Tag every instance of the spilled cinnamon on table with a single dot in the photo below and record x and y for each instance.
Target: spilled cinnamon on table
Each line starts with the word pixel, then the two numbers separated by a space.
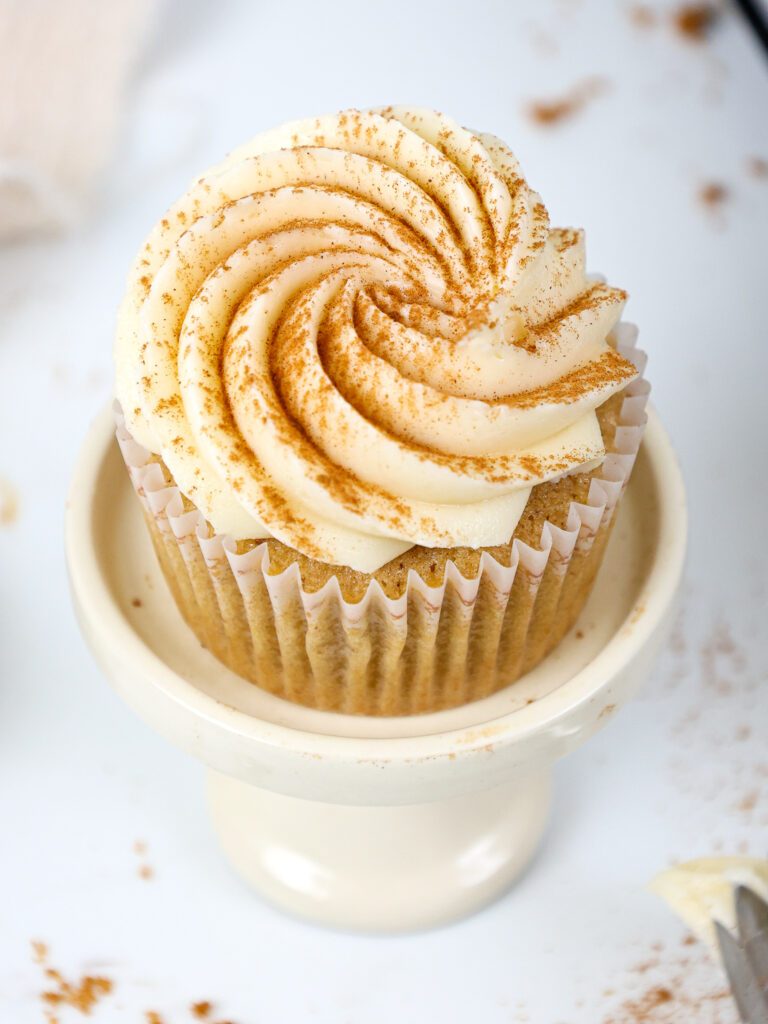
pixel 642 16
pixel 713 194
pixel 82 995
pixel 9 504
pixel 757 167
pixel 696 21
pixel 550 112
pixel 676 988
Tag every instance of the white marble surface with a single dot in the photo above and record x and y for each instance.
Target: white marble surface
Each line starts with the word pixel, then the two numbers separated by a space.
pixel 683 772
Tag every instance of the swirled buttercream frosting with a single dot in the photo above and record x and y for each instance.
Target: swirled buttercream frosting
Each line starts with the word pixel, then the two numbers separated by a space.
pixel 360 333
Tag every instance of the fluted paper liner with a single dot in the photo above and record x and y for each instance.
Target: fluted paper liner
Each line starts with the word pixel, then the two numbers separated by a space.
pixel 431 648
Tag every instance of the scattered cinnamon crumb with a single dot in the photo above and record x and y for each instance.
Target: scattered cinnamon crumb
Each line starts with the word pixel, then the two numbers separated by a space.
pixel 9 504
pixel 713 194
pixel 201 1010
pixel 721 658
pixel 82 995
pixel 607 710
pixel 153 1017
pixel 637 1011
pixel 137 602
pixel 749 802
pixel 757 167
pixel 548 112
pixel 648 965
pixel 678 991
pixel 145 870
pixel 39 952
pixel 642 16
pixel 695 21
pixel 579 634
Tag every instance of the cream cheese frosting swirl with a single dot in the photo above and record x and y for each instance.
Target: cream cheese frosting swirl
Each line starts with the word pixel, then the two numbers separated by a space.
pixel 359 333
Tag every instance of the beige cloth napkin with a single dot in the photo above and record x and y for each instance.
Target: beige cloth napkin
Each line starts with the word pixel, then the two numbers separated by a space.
pixel 63 68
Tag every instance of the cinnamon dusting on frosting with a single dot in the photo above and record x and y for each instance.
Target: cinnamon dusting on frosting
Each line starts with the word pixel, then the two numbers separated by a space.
pixel 360 333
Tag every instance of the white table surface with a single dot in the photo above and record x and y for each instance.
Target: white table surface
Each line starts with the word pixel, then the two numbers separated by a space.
pixel 682 773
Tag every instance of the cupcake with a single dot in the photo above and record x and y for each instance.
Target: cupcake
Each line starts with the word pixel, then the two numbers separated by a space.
pixel 377 414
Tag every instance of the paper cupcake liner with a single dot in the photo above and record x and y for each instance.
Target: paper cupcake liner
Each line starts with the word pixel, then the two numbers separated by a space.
pixel 431 648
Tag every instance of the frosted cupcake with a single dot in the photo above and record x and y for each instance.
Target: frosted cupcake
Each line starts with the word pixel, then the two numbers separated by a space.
pixel 377 414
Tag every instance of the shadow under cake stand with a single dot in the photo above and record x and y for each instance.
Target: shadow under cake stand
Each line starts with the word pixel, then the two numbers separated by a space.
pixel 380 824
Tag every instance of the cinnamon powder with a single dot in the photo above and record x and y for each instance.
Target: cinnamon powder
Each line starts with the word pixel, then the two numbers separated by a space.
pixel 695 21
pixel 757 167
pixel 642 16
pixel 713 194
pixel 9 504
pixel 550 112
pixel 82 995
pixel 677 992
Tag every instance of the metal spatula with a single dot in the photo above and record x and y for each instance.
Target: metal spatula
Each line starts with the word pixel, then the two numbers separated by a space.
pixel 746 956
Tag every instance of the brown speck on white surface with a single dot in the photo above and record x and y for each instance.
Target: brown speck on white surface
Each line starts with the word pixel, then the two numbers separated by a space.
pixel 721 657
pixel 145 871
pixel 642 16
pixel 676 987
pixel 82 995
pixel 757 167
pixel 549 112
pixel 695 22
pixel 748 803
pixel 9 503
pixel 39 951
pixel 713 195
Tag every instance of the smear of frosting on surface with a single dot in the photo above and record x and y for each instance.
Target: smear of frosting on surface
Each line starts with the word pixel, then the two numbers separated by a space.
pixel 359 333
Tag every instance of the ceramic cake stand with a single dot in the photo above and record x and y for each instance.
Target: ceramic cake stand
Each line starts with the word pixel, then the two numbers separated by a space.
pixel 363 823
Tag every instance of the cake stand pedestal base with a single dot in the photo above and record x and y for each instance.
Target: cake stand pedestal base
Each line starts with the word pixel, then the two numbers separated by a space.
pixel 375 824
pixel 380 869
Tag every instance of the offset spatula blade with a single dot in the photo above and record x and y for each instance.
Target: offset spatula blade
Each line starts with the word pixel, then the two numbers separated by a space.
pixel 752 921
pixel 746 991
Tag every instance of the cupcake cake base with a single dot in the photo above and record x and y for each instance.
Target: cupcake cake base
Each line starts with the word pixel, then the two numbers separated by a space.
pixel 365 769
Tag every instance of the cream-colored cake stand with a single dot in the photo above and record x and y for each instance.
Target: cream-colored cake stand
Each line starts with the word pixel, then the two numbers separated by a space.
pixel 375 824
